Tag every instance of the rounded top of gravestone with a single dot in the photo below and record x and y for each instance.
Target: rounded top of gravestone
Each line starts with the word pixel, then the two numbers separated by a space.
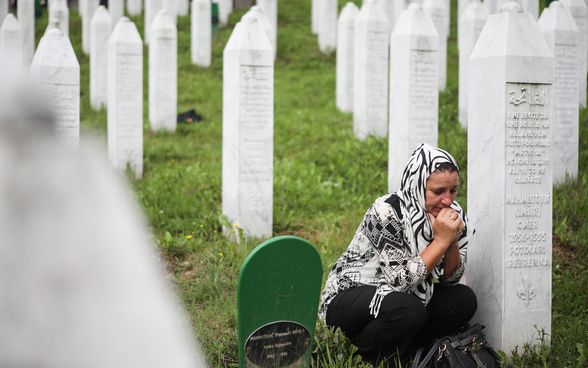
pixel 434 4
pixel 248 35
pixel 54 50
pixel 249 18
pixel 101 15
pixel 574 3
pixel 125 32
pixel 261 17
pixel 414 22
pixel 10 24
pixel 510 7
pixel 349 11
pixel 557 18
pixel 475 10
pixel 163 21
pixel 372 12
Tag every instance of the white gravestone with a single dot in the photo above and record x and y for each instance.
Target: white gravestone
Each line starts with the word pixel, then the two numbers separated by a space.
pixel 248 129
pixel 472 23
pixel 448 19
pixel 370 71
pixel 171 6
pixel 116 8
pixel 152 7
pixel 345 40
pixel 578 10
pixel 82 296
pixel 532 7
pixel 25 13
pixel 437 11
pixel 101 27
pixel 314 16
pixel 414 89
pixel 56 69
pixel 562 36
pixel 509 178
pixel 163 73
pixel 82 8
pixel 11 51
pixel 265 25
pixel 270 9
pixel 492 6
pixel 201 37
pixel 89 9
pixel 327 34
pixel 125 97
pixel 134 7
pixel 225 8
pixel 399 7
pixel 461 7
pixel 59 15
pixel 3 10
pixel 183 8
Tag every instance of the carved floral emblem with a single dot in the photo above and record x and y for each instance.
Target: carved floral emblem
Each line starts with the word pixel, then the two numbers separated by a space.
pixel 526 290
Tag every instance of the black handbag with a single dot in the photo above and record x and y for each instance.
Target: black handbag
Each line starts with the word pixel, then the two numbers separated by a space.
pixel 468 348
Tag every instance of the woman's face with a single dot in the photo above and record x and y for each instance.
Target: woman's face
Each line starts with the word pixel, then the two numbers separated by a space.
pixel 441 191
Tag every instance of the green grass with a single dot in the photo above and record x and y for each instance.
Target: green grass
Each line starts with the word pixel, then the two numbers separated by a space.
pixel 324 181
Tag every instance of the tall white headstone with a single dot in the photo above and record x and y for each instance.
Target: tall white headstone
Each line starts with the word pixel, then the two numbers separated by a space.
pixel 327 34
pixel 370 71
pixel 314 16
pixel 225 8
pixel 134 7
pixel 11 51
pixel 116 8
pixel 89 9
pixel 265 25
pixel 578 10
pixel 56 69
pixel 472 23
pixel 270 9
pixel 3 10
pixel 25 13
pixel 101 28
pixel 171 6
pixel 163 73
pixel 183 8
pixel 248 128
pixel 492 6
pixel 509 178
pixel 562 36
pixel 532 7
pixel 125 97
pixel 201 37
pixel 59 15
pixel 414 89
pixel 399 7
pixel 345 56
pixel 152 7
pixel 437 11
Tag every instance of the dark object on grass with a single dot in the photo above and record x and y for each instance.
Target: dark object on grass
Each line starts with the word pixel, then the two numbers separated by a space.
pixel 467 349
pixel 189 116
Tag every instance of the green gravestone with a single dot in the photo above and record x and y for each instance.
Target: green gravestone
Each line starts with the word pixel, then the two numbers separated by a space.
pixel 277 303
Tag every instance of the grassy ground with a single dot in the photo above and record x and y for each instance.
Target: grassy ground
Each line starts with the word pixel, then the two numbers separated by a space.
pixel 324 181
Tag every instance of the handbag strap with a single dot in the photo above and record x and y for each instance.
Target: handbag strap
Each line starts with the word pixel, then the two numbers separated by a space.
pixel 423 363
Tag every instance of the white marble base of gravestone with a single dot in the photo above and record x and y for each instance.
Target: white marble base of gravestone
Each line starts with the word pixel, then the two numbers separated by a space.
pixel 116 8
pixel 134 7
pixel 438 13
pixel 201 37
pixel 101 28
pixel 25 13
pixel 183 8
pixel 89 9
pixel 55 210
pixel 11 51
pixel 171 6
pixel 270 9
pixel 248 129
pixel 163 73
pixel 414 89
pixel 314 16
pixel 579 11
pixel 510 179
pixel 562 35
pixel 344 72
pixel 59 15
pixel 225 8
pixel 265 24
pixel 56 69
pixel 125 97
pixel 152 7
pixel 472 23
pixel 327 35
pixel 370 71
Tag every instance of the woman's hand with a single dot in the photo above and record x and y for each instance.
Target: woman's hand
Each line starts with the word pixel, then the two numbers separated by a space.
pixel 447 227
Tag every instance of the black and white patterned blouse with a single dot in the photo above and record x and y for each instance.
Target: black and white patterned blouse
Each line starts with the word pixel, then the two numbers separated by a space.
pixel 385 249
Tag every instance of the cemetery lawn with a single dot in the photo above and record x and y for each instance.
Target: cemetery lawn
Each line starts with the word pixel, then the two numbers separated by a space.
pixel 324 181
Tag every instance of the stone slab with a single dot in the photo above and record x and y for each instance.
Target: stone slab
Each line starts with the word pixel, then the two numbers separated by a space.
pixel 25 13
pixel 100 27
pixel 201 33
pixel 11 50
pixel 345 57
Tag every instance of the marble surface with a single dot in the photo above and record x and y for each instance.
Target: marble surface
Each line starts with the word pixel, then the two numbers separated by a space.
pixel 152 7
pixel 11 50
pixel 59 15
pixel 163 73
pixel 116 8
pixel 270 9
pixel 25 13
pixel 225 8
pixel 562 36
pixel 510 179
pixel 101 27
pixel 370 72
pixel 327 32
pixel 344 67
pixel 263 20
pixel 414 89
pixel 125 98
pixel 56 69
pixel 437 11
pixel 579 11
pixel 472 22
pixel 248 129
pixel 3 10
pixel 89 9
pixel 201 33
pixel 134 7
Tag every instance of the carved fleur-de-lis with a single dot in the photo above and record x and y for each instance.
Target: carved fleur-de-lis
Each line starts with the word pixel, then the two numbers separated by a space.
pixel 526 291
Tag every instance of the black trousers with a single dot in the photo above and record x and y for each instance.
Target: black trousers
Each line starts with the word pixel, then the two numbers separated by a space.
pixel 403 324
